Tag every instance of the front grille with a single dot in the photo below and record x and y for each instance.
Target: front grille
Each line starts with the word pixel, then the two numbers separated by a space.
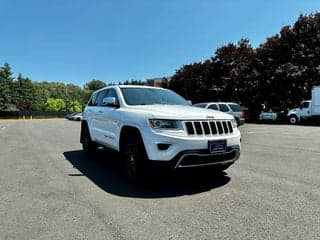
pixel 198 128
pixel 206 128
pixel 220 130
pixel 211 128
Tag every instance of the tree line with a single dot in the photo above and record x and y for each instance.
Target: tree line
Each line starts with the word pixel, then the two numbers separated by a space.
pixel 280 72
pixel 23 94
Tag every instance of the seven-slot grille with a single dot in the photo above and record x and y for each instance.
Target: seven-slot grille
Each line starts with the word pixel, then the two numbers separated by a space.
pixel 202 128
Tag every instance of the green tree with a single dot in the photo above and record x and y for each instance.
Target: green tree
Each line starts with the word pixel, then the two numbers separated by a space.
pixel 25 93
pixel 133 82
pixel 74 106
pixel 41 96
pixel 85 96
pixel 279 72
pixel 94 85
pixel 234 63
pixel 55 105
pixel 6 86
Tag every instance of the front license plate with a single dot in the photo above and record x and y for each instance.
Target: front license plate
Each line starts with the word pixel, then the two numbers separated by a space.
pixel 217 146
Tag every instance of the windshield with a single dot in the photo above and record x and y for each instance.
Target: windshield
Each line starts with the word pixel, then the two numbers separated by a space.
pixel 149 96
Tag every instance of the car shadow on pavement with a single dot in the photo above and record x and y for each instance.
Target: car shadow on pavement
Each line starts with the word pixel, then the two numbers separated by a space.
pixel 105 170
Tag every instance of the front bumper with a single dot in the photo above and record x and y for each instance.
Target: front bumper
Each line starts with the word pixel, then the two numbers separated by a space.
pixel 199 158
pixel 181 148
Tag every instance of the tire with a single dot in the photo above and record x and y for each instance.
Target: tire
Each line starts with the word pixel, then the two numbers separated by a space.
pixel 88 146
pixel 293 120
pixel 135 157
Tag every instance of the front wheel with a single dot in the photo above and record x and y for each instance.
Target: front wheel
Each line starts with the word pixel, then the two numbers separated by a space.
pixel 293 119
pixel 134 160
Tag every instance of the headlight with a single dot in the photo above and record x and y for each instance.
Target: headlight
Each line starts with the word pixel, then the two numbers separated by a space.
pixel 234 123
pixel 165 124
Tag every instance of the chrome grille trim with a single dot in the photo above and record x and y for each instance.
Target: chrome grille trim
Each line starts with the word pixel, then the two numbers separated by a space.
pixel 216 127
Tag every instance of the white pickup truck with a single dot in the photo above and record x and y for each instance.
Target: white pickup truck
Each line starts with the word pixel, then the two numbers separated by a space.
pixel 309 110
pixel 157 127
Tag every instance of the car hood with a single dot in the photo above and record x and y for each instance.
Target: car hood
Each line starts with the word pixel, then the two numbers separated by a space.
pixel 179 112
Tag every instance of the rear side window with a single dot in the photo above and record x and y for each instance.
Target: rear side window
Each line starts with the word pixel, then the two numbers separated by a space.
pixel 235 107
pixel 223 108
pixel 213 107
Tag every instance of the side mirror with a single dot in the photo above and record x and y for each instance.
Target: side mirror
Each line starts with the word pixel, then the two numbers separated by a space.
pixel 190 102
pixel 110 102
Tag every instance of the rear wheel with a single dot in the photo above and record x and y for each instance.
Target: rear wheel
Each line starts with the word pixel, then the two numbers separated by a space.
pixel 135 158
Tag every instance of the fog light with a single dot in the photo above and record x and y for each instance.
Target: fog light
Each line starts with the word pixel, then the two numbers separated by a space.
pixel 163 146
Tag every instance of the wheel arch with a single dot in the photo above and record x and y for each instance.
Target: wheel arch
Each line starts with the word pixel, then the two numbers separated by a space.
pixel 129 131
pixel 84 126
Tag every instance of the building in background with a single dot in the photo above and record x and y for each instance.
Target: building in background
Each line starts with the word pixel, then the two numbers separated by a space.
pixel 158 82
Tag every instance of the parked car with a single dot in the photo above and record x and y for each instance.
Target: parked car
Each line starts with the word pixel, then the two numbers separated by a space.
pixel 77 116
pixel 231 108
pixel 269 114
pixel 69 116
pixel 273 114
pixel 155 127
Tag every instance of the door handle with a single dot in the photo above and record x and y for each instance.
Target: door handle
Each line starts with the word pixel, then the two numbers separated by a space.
pixel 101 111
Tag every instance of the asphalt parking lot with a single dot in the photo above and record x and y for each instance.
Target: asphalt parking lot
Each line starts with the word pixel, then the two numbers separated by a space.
pixel 50 190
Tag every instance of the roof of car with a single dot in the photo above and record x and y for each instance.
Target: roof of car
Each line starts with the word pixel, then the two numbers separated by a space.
pixel 217 103
pixel 137 86
pixel 128 86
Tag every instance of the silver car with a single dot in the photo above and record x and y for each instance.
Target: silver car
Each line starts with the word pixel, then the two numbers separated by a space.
pixel 77 117
pixel 231 108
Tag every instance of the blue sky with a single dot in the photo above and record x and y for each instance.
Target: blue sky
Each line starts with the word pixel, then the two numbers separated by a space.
pixel 74 41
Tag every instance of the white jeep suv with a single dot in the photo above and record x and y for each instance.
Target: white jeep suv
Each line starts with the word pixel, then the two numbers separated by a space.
pixel 157 127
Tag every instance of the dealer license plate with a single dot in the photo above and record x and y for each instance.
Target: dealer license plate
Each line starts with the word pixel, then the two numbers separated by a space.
pixel 217 146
